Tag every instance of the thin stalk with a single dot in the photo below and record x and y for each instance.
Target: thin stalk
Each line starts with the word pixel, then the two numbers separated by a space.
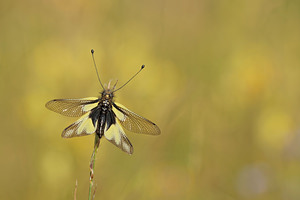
pixel 92 166
pixel 75 190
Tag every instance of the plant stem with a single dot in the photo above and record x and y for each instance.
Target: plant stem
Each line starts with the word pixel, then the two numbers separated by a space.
pixel 75 190
pixel 92 165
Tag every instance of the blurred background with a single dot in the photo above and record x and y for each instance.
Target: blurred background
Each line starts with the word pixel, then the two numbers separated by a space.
pixel 221 81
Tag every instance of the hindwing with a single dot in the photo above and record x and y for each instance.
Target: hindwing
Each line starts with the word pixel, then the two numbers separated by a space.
pixel 83 126
pixel 116 135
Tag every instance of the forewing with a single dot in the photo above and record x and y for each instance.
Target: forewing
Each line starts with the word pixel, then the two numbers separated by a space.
pixel 72 107
pixel 83 126
pixel 133 122
pixel 115 134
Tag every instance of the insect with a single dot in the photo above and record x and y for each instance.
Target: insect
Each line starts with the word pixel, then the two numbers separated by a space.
pixel 103 116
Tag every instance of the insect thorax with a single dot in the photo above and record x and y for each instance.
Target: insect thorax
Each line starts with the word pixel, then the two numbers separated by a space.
pixel 106 99
pixel 100 112
pixel 105 105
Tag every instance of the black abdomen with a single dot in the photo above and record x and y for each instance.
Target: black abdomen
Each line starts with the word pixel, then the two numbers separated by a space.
pixel 104 115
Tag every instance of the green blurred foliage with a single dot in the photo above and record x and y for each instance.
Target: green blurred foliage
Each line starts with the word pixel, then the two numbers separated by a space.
pixel 221 81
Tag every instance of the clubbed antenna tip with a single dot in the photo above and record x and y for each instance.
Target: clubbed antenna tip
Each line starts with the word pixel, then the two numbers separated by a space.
pixel 92 51
pixel 142 67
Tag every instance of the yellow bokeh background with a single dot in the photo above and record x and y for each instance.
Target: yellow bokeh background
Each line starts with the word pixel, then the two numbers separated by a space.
pixel 221 81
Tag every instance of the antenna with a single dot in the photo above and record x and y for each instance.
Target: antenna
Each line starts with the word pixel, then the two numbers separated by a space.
pixel 92 51
pixel 142 67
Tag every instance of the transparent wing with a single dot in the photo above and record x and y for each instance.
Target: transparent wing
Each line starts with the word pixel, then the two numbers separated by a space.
pixel 83 126
pixel 116 135
pixel 133 122
pixel 72 107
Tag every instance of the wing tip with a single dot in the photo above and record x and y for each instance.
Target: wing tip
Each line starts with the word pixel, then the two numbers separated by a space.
pixel 130 152
pixel 159 131
pixel 47 104
pixel 64 135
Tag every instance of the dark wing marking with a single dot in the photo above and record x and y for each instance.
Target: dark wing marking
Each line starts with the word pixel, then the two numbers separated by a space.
pixel 116 135
pixel 83 126
pixel 72 107
pixel 133 122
